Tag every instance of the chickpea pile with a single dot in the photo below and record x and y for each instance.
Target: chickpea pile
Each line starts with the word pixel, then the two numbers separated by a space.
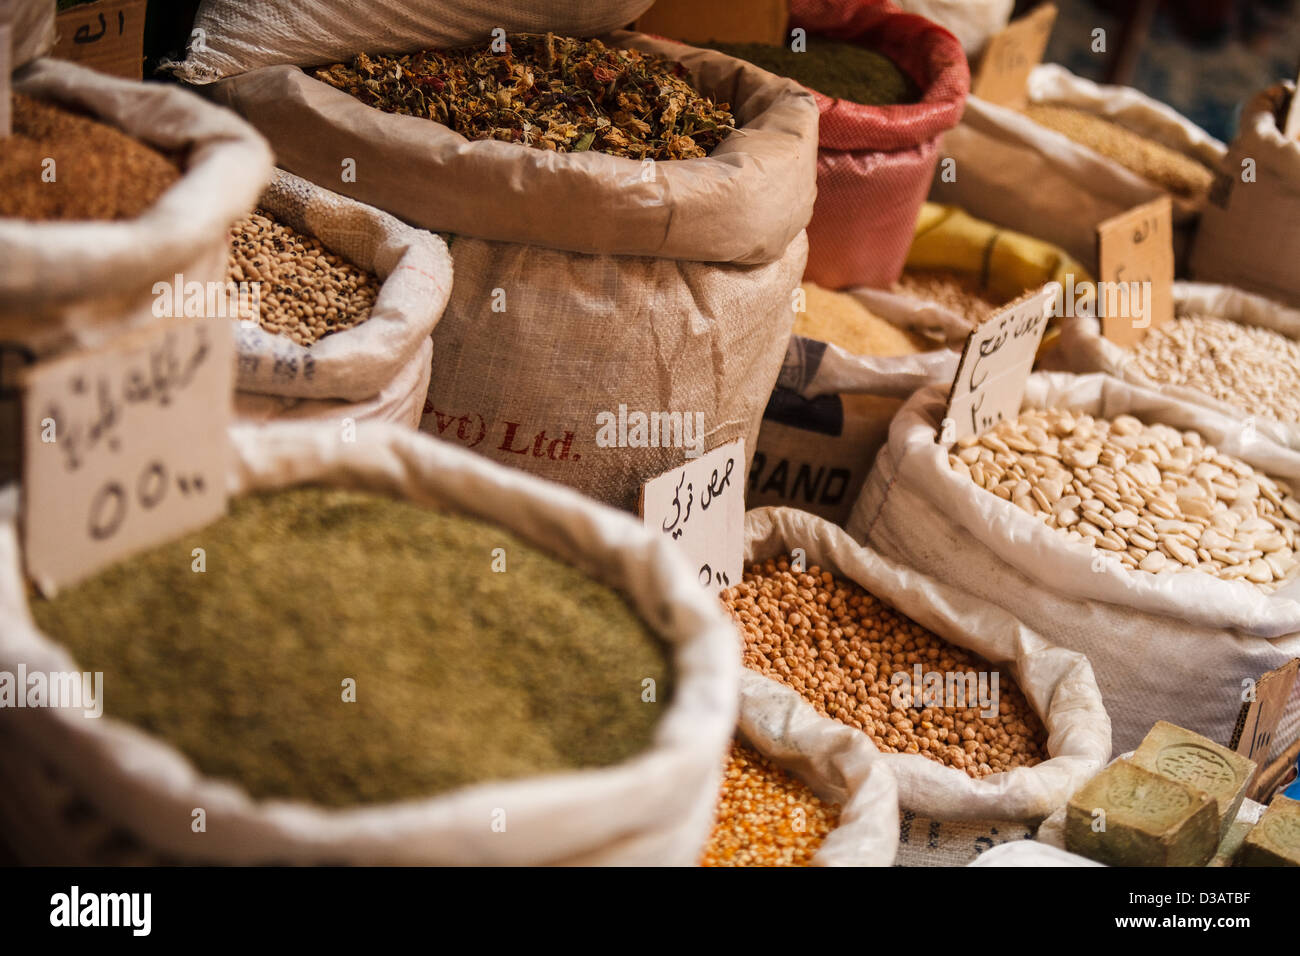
pixel 838 646
pixel 765 816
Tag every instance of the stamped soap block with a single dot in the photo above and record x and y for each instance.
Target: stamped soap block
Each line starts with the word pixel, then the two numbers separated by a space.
pixel 1129 816
pixel 1199 762
pixel 1275 840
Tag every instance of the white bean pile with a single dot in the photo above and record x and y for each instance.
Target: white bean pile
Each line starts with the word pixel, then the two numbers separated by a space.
pixel 1159 499
pixel 1251 368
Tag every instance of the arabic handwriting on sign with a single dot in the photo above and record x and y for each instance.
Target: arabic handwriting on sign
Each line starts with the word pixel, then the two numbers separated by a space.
pixel 715 487
pixel 677 503
pixel 83 34
pixel 1145 228
pixel 708 576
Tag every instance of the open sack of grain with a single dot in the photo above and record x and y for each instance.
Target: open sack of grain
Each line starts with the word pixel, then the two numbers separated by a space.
pixel 587 284
pixel 1248 236
pixel 1153 535
pixel 857 355
pixel 243 35
pixel 561 691
pixel 1080 154
pixel 840 651
pixel 166 201
pixel 1229 350
pixel 875 162
pixel 345 321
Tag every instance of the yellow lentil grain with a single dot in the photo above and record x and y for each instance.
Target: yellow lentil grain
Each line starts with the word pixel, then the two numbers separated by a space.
pixel 765 816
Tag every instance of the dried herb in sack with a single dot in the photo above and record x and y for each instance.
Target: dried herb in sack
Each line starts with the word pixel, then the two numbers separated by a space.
pixel 834 68
pixel 547 92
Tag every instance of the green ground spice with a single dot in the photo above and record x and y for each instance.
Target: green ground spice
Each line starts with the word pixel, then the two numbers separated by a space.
pixel 462 674
pixel 833 68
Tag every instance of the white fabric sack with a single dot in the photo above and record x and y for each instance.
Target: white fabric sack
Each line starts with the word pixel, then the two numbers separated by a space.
pixel 242 35
pixel 415 272
pixel 1015 173
pixel 836 761
pixel 32 26
pixel 1248 234
pixel 972 22
pixel 401 400
pixel 74 283
pixel 1174 647
pixel 1031 853
pixel 1083 349
pixel 656 808
pixel 830 411
pixel 1057 683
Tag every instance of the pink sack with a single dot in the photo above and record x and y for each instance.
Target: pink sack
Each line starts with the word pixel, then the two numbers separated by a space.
pixel 875 163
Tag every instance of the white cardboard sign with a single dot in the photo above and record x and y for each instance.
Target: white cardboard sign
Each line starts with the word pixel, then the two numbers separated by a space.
pixel 700 507
pixel 125 447
pixel 995 366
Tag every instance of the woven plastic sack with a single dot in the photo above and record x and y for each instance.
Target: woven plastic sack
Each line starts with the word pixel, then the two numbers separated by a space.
pixel 380 366
pixel 1248 236
pixel 31 24
pixel 1011 171
pixel 655 808
pixel 1174 647
pixel 1084 349
pixel 74 283
pixel 875 163
pixel 972 22
pixel 835 761
pixel 243 35
pixel 1057 683
pixel 584 282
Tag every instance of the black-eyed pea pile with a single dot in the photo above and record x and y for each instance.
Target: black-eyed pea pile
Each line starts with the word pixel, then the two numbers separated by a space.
pixel 1159 499
pixel 306 292
pixel 1248 367
pixel 840 648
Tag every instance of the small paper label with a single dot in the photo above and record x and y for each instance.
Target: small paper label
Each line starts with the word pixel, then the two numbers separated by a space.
pixel 107 36
pixel 1135 251
pixel 1258 719
pixel 1010 56
pixel 700 506
pixel 1292 128
pixel 995 366
pixel 124 447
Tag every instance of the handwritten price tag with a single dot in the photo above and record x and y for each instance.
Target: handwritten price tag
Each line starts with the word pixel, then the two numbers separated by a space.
pixel 1258 718
pixel 107 36
pixel 1136 254
pixel 995 366
pixel 125 447
pixel 1011 56
pixel 701 507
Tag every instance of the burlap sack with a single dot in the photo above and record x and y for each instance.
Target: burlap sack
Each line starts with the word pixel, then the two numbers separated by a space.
pixel 243 35
pixel 1058 683
pixel 74 283
pixel 671 293
pixel 1014 172
pixel 656 808
pixel 1174 647
pixel 381 367
pixel 835 761
pixel 1083 349
pixel 1248 236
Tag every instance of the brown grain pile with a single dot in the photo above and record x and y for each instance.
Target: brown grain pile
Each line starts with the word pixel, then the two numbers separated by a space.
pixel 765 816
pixel 839 646
pixel 99 172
